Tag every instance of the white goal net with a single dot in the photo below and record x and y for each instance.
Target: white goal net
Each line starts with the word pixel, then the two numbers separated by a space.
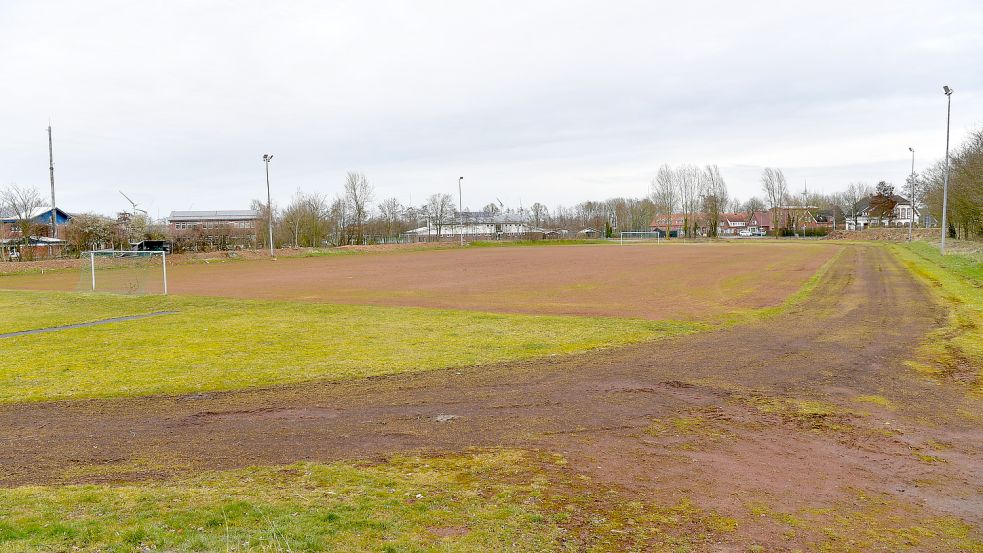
pixel 124 272
pixel 640 235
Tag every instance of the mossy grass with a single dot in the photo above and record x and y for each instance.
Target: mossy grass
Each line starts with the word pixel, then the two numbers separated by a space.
pixel 486 501
pixel 956 282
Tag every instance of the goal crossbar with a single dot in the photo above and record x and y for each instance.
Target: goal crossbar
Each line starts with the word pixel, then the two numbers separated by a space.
pixel 124 254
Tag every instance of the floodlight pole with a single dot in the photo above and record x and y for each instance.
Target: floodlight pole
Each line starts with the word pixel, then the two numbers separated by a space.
pixel 163 258
pixel 911 200
pixel 945 184
pixel 460 208
pixel 269 200
pixel 92 269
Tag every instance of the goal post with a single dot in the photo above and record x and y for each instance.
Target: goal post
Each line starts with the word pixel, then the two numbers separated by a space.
pixel 125 272
pixel 640 235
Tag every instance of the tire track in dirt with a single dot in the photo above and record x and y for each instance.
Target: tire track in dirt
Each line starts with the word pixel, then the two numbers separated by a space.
pixel 850 338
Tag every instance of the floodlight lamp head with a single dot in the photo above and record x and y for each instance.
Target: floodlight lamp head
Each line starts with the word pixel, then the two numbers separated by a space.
pixel 948 91
pixel 910 149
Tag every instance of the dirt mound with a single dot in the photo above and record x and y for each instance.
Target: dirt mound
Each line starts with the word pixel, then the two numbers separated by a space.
pixel 884 234
pixel 401 247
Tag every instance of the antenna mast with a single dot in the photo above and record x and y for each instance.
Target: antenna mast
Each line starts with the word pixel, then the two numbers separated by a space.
pixel 51 173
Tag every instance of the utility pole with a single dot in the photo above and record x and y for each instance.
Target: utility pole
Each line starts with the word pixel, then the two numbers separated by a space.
pixel 911 218
pixel 945 184
pixel 269 200
pixel 51 173
pixel 460 208
pixel 805 194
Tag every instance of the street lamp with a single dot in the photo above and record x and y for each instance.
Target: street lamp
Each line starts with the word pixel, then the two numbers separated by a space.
pixel 945 184
pixel 460 208
pixel 911 200
pixel 269 201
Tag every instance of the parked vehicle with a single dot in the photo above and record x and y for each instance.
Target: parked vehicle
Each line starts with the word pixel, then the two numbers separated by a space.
pixel 745 232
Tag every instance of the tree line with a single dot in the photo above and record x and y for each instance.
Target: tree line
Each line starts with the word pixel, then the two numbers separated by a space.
pixel 688 197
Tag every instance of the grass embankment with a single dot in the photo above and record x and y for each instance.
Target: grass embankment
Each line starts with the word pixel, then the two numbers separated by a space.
pixel 223 344
pixel 956 280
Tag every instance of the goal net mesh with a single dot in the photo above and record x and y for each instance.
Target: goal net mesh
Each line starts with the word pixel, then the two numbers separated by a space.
pixel 122 272
pixel 634 236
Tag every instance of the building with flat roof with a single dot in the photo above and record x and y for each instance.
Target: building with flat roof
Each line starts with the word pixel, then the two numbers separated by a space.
pixel 220 229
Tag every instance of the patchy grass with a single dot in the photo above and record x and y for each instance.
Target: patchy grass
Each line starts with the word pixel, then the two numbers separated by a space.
pixel 871 522
pixel 696 429
pixel 874 399
pixel 956 281
pixel 792 301
pixel 498 500
pixel 478 502
pixel 223 344
pixel 809 414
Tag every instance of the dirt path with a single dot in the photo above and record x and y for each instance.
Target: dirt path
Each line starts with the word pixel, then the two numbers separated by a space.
pixel 814 409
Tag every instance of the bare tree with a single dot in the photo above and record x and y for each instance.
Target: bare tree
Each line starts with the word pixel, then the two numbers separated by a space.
pixel 358 194
pixel 851 198
pixel 390 211
pixel 690 178
pixel 22 203
pixel 539 214
pixel 775 187
pixel 262 222
pixel 665 194
pixel 714 198
pixel 439 208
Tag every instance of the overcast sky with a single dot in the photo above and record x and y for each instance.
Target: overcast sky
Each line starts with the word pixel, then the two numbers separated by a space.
pixel 553 101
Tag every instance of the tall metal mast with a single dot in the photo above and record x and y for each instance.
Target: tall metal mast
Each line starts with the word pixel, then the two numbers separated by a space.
pixel 51 173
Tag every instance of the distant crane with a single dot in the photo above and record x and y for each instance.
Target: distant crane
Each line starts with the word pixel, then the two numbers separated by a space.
pixel 134 204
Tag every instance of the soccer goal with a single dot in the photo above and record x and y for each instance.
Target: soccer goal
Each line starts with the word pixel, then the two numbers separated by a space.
pixel 124 272
pixel 640 235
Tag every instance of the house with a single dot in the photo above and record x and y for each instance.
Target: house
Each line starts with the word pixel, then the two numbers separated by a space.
pixel 865 214
pixel 224 229
pixel 40 242
pixel 40 218
pixel 674 224
pixel 729 224
pixel 556 234
pixel 38 247
pixel 477 226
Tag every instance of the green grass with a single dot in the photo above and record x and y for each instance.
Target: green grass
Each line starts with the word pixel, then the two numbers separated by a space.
pixel 478 502
pixel 498 500
pixel 225 344
pixel 29 310
pixel 956 281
